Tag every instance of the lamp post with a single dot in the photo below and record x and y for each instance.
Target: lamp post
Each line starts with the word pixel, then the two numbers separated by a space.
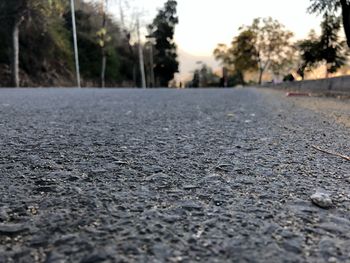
pixel 75 40
pixel 141 60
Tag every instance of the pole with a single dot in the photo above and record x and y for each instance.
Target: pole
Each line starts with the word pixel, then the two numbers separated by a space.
pixel 152 66
pixel 15 56
pixel 104 57
pixel 142 64
pixel 75 40
pixel 151 59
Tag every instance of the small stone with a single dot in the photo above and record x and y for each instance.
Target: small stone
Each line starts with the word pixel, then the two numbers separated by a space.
pixel 322 200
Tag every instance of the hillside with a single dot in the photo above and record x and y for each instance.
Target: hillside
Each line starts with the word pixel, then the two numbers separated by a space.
pixel 46 52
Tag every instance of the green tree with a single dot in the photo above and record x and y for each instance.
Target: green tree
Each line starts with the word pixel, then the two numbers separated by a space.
pixel 328 48
pixel 309 53
pixel 241 56
pixel 16 11
pixel 32 25
pixel 105 56
pixel 224 54
pixel 163 29
pixel 272 42
pixel 331 6
pixel 332 49
pixel 245 54
pixel 263 45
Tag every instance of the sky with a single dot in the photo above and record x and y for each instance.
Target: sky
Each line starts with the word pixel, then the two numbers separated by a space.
pixel 205 23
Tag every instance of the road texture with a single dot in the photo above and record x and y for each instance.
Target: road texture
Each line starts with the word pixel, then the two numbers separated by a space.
pixel 170 176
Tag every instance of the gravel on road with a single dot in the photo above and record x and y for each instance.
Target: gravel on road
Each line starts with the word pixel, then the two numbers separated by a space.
pixel 122 175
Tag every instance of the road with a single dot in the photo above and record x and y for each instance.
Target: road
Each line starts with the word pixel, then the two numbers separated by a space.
pixel 170 176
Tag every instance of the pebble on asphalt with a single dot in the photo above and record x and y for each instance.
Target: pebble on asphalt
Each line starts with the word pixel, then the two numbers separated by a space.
pixel 322 200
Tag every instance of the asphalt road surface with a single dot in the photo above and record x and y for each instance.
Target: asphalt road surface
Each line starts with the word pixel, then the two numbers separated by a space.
pixel 170 176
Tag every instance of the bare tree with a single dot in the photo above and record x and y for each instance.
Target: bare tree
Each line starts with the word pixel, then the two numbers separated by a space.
pixel 103 39
pixel 17 10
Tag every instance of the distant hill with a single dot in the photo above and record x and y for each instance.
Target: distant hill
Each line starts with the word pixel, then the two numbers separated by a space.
pixel 188 63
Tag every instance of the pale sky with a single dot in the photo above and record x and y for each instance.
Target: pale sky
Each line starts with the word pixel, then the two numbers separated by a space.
pixel 205 23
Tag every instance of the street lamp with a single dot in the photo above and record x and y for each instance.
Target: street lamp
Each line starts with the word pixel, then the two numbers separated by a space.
pixel 141 60
pixel 75 40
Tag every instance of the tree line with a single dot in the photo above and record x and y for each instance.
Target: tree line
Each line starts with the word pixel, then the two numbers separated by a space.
pixel 266 46
pixel 37 45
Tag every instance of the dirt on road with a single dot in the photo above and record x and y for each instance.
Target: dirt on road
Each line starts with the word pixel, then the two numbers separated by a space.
pixel 334 108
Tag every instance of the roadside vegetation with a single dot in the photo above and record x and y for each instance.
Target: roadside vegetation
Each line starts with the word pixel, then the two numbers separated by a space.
pixel 36 47
pixel 266 51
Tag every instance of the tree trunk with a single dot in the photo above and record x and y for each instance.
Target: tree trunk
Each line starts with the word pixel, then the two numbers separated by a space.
pixel 103 69
pixel 104 38
pixel 241 76
pixel 15 56
pixel 346 19
pixel 261 75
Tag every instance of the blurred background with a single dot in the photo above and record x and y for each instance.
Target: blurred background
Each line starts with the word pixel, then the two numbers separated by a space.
pixel 159 43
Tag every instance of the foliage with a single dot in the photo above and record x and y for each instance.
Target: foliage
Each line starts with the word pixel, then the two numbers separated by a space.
pixel 309 53
pixel 244 52
pixel 273 46
pixel 240 57
pixel 41 29
pixel 331 7
pixel 163 29
pixel 45 39
pixel 328 48
pixel 332 49
pixel 320 6
pixel 264 45
pixel 224 54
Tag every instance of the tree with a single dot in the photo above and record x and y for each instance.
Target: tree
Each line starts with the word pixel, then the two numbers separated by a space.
pixel 309 53
pixel 204 76
pixel 97 44
pixel 273 48
pixel 196 79
pixel 331 6
pixel 332 49
pixel 240 57
pixel 245 53
pixel 16 11
pixel 328 48
pixel 103 39
pixel 46 49
pixel 163 29
pixel 42 32
pixel 224 54
pixel 263 45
